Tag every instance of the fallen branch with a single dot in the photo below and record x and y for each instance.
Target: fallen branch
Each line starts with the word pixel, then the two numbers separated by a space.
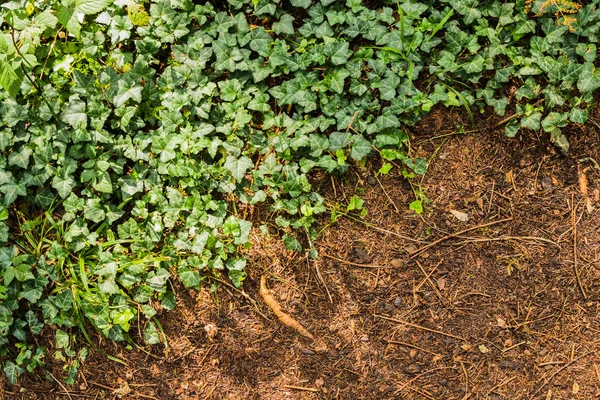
pixel 285 318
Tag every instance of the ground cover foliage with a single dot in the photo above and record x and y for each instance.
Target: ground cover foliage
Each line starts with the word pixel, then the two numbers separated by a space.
pixel 132 134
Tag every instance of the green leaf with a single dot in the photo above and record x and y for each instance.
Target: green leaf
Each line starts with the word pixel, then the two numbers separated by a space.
pixel 190 278
pixel 63 186
pixel 356 203
pixel 291 243
pixel 122 319
pixel 511 129
pixel 387 120
pixel 68 18
pixel 238 166
pixel 579 116
pixel 589 79
pixel 339 140
pixel 12 190
pixel 10 79
pixel 12 371
pixel 301 3
pixel 361 147
pixel 75 114
pixel 151 334
pixel 285 25
pixel 532 121
pixel 338 52
pixel 91 6
pixel 61 339
pixel 416 206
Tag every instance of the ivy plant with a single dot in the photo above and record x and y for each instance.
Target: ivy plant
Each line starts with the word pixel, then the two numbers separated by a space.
pixel 135 135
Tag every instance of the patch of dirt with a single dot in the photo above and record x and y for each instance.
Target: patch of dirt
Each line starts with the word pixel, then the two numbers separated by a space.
pixel 491 293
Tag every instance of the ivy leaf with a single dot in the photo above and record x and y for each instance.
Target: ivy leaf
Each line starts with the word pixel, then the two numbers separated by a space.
pixel 361 147
pixel 238 166
pixel 588 79
pixel 12 190
pixel 68 18
pixel 190 278
pixel 151 334
pixel 74 113
pixel 127 90
pixel 63 186
pixel 338 52
pixel 284 25
pixel 387 120
pixel 12 372
pixel 579 116
pixel 61 339
pixel 91 6
pixel 532 121
pixel 10 79
pixel 339 140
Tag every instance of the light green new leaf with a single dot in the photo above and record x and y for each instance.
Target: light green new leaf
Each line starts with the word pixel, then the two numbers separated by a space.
pixel 10 79
pixel 91 6
pixel 62 339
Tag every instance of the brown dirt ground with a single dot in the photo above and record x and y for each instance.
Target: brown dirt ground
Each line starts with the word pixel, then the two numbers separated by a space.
pixel 495 312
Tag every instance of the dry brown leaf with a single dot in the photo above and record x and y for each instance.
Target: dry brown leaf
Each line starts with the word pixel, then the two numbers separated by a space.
pixel 501 323
pixel 459 215
pixel 441 283
pixel 479 202
pixel 124 390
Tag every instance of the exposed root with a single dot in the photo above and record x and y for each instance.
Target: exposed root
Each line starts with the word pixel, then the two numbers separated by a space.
pixel 285 318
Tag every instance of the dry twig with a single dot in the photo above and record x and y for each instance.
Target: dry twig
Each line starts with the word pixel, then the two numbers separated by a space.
pixel 420 327
pixel 450 236
pixel 574 229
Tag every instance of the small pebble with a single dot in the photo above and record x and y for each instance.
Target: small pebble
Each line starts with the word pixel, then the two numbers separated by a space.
pixel 522 163
pixel 372 181
pixel 547 183
pixel 396 263
pixel 398 302
pixel 444 382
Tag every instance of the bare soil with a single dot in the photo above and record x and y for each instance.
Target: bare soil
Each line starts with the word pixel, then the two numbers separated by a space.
pixel 492 293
